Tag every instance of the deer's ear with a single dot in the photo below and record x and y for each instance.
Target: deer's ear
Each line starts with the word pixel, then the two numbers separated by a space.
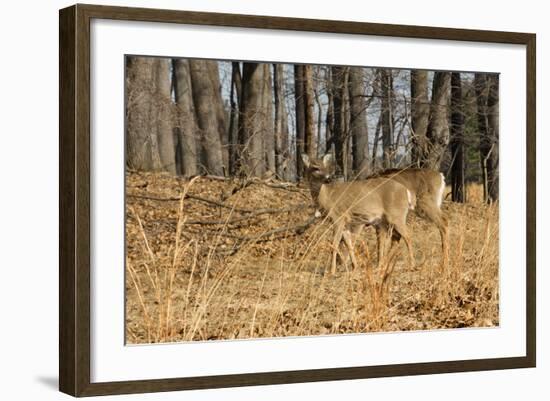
pixel 305 159
pixel 327 160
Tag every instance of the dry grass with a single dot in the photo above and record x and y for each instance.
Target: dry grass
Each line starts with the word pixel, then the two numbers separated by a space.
pixel 188 281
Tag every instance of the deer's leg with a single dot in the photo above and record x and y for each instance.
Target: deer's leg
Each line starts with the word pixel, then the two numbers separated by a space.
pixel 348 250
pixel 444 233
pixel 408 243
pixel 400 231
pixel 381 235
pixel 356 232
pixel 434 214
pixel 338 229
pixel 343 255
pixel 348 239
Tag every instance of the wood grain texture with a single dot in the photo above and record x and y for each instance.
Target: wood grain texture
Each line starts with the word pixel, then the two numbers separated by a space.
pixel 302 376
pixel 74 206
pixel 531 228
pixel 301 24
pixel 74 199
pixel 67 131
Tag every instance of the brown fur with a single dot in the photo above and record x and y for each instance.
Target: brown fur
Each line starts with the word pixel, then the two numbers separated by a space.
pixel 426 185
pixel 380 202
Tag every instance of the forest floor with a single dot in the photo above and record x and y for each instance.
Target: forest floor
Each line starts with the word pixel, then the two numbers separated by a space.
pixel 215 259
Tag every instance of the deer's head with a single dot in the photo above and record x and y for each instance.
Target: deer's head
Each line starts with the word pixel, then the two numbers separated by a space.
pixel 318 170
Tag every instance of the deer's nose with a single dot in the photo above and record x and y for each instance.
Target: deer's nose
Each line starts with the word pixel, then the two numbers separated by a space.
pixel 327 178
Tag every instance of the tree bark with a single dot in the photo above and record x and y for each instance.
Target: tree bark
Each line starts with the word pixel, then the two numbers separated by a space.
pixel 139 114
pixel 493 131
pixel 438 126
pixel 457 140
pixel 359 128
pixel 268 129
pixel 235 93
pixel 218 106
pixel 310 138
pixel 252 119
pixel 420 115
pixel 338 77
pixel 480 87
pixel 320 109
pixel 204 98
pixel 300 116
pixel 346 118
pixel 186 130
pixel 164 119
pixel 486 88
pixel 386 85
pixel 281 124
pixel 329 136
pixel 375 142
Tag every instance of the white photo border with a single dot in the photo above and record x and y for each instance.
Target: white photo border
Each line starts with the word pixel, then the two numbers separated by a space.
pixel 111 360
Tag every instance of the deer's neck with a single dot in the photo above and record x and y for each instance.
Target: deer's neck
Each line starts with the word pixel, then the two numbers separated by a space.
pixel 315 188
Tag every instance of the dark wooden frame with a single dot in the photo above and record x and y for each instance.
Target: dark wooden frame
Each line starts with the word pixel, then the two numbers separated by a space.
pixel 74 199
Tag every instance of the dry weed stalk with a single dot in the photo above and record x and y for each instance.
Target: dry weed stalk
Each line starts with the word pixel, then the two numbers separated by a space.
pixel 161 277
pixel 181 288
pixel 376 284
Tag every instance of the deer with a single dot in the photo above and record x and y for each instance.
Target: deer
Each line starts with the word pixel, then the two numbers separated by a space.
pixel 379 202
pixel 427 186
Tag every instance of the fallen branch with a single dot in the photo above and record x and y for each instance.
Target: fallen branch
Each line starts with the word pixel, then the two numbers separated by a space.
pixel 251 215
pixel 242 185
pixel 287 186
pixel 277 185
pixel 296 229
pixel 215 177
pixel 155 198
pixel 263 237
pixel 191 196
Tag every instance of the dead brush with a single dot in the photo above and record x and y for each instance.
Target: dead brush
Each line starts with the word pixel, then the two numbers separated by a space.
pixel 376 285
pixel 180 287
pixel 466 293
pixel 161 275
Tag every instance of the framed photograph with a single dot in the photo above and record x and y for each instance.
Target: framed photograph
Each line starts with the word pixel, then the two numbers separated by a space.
pixel 249 200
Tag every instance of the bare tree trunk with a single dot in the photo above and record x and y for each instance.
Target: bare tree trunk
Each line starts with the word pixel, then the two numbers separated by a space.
pixel 204 97
pixel 300 116
pixel 187 126
pixel 268 129
pixel 329 136
pixel 320 109
pixel 251 122
pixel 457 140
pixel 140 74
pixel 386 84
pixel 234 117
pixel 310 145
pixel 164 121
pixel 375 142
pixel 438 126
pixel 338 134
pixel 481 89
pixel 420 115
pixel 359 129
pixel 346 110
pixel 486 88
pixel 219 108
pixel 281 125
pixel 493 131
